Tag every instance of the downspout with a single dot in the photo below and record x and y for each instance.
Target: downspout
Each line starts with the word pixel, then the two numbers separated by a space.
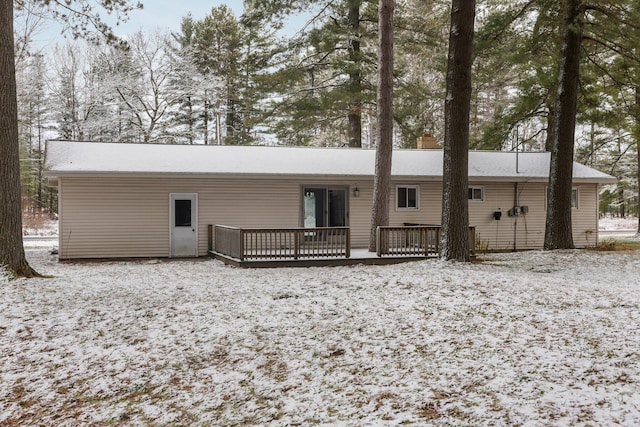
pixel 515 196
pixel 517 152
pixel 515 212
pixel 597 233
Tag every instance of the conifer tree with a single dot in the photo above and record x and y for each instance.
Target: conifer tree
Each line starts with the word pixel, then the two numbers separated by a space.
pixel 325 78
pixel 384 146
pixel 454 241
pixel 558 229
pixel 231 55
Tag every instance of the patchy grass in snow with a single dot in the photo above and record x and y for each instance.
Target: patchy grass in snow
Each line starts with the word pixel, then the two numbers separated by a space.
pixel 5 275
pixel 40 224
pixel 617 245
pixel 535 338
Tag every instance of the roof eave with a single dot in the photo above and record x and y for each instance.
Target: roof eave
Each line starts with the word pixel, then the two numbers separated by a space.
pixel 55 175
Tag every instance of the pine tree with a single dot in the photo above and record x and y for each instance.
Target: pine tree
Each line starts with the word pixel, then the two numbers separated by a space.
pixel 515 74
pixel 558 230
pixel 421 59
pixel 217 46
pixel 384 146
pixel 326 74
pixel 191 109
pixel 454 242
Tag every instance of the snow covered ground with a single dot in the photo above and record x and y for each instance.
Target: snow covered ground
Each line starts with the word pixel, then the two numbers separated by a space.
pixel 49 227
pixel 625 229
pixel 611 223
pixel 39 226
pixel 533 338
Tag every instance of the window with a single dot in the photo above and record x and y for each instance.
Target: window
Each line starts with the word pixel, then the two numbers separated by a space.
pixel 182 213
pixel 574 198
pixel 476 194
pixel 407 197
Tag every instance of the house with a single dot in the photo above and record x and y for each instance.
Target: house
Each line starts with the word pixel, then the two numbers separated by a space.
pixel 145 200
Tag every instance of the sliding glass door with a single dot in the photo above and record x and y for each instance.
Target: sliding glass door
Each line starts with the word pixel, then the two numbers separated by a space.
pixel 324 207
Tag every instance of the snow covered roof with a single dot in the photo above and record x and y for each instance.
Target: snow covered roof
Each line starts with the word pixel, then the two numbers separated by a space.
pixel 67 158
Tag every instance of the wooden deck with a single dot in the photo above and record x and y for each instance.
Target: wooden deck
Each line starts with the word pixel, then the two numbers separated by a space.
pixel 358 256
pixel 316 247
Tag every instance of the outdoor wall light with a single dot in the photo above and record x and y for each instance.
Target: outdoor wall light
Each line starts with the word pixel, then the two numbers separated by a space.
pixel 356 192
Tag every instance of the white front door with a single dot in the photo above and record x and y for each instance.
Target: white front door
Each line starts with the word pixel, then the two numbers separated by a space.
pixel 184 224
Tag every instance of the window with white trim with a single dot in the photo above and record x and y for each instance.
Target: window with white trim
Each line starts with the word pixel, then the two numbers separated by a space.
pixel 476 194
pixel 407 197
pixel 575 198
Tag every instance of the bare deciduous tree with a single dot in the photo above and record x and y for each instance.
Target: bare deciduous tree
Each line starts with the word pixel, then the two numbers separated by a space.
pixel 12 254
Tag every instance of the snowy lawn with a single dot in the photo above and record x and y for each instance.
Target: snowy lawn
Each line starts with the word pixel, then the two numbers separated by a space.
pixel 529 338
pixel 611 223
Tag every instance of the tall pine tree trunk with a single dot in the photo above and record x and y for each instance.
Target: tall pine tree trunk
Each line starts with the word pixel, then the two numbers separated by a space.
pixel 548 142
pixel 205 120
pixel 454 241
pixel 384 146
pixel 354 116
pixel 11 249
pixel 558 230
pixel 637 138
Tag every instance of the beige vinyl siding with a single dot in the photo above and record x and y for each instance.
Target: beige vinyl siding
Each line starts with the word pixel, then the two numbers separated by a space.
pixel 129 217
pixel 111 217
pixel 429 199
pixel 585 217
pixel 106 217
pixel 527 231
pixel 120 216
pixel 360 212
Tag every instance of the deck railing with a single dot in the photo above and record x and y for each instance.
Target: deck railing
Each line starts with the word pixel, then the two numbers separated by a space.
pixel 327 242
pixel 228 241
pixel 281 243
pixel 418 240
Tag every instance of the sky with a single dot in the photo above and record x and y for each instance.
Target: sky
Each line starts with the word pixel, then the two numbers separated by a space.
pixel 162 14
pixel 169 13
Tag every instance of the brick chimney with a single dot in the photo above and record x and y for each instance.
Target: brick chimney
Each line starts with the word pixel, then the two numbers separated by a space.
pixel 426 141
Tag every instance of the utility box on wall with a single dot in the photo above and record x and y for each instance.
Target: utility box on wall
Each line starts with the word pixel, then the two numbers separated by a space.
pixel 518 210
